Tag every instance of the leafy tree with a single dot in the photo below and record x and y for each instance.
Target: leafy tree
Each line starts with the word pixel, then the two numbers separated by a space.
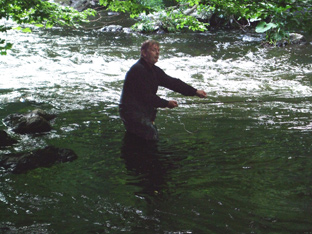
pixel 276 18
pixel 273 17
pixel 170 18
pixel 38 12
pixel 135 7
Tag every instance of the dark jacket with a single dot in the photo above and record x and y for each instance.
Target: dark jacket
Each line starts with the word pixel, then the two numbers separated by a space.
pixel 139 99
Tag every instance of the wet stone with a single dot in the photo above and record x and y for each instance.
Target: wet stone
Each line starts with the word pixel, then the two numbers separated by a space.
pixel 112 28
pixel 5 139
pixel 36 121
pixel 23 162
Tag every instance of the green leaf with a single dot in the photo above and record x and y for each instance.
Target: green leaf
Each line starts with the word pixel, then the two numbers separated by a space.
pixel 18 28
pixel 263 27
pixel 26 30
pixel 39 25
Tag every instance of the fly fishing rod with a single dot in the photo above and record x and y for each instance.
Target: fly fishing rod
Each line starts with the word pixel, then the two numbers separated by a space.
pixel 244 102
pixel 219 102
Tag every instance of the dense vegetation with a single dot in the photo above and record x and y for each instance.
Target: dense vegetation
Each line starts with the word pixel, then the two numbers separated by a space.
pixel 38 12
pixel 276 18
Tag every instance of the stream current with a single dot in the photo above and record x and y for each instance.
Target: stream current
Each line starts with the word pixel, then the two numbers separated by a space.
pixel 238 161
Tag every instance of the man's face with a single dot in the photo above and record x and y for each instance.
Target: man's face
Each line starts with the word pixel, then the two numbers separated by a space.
pixel 151 55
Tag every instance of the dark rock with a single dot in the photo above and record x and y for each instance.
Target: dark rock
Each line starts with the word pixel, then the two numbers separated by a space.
pixel 23 162
pixel 36 121
pixel 43 114
pixel 116 28
pixel 5 139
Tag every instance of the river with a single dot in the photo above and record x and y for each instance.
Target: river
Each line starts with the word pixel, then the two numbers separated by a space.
pixel 238 161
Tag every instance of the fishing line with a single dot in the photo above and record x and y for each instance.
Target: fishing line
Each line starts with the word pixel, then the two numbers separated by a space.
pixel 185 127
pixel 210 102
pixel 179 120
pixel 188 130
pixel 232 102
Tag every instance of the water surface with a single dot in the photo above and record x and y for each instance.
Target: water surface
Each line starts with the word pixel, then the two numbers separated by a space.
pixel 236 162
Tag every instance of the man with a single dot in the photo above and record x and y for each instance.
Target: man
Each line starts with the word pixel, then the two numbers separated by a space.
pixel 139 102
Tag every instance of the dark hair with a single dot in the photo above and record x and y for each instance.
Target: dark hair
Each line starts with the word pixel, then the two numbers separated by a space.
pixel 147 44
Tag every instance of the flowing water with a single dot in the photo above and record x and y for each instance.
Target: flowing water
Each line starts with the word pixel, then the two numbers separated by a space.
pixel 239 161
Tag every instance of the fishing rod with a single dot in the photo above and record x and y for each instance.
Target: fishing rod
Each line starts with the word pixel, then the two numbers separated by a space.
pixel 243 102
pixel 219 102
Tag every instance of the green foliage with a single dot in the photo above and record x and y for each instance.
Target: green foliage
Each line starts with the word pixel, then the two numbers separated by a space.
pixel 187 21
pixel 40 13
pixel 135 7
pixel 145 24
pixel 4 47
pixel 283 18
pixel 132 6
pixel 264 27
pixel 273 17
pixel 153 4
pixel 276 17
pixel 170 21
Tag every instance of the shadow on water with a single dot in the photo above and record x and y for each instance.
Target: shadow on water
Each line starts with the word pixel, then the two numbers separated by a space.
pixel 148 166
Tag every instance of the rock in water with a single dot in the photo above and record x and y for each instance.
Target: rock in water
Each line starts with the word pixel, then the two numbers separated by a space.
pixel 112 28
pixel 5 139
pixel 36 121
pixel 23 162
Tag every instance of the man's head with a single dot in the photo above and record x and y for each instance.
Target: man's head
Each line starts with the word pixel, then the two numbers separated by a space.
pixel 150 51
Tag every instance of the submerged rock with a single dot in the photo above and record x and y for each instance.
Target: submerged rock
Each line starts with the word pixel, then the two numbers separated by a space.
pixel 294 39
pixel 112 28
pixel 36 121
pixel 297 39
pixel 5 139
pixel 23 162
pixel 116 28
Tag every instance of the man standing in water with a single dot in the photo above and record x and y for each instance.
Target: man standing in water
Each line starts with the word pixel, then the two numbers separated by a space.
pixel 139 102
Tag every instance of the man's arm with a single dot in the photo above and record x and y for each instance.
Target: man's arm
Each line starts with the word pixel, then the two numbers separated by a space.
pixel 199 93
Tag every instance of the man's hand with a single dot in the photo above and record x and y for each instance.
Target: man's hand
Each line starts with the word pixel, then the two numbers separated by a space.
pixel 172 104
pixel 201 93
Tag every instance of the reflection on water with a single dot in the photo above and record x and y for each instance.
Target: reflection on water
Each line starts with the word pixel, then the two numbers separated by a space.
pixel 144 162
pixel 236 162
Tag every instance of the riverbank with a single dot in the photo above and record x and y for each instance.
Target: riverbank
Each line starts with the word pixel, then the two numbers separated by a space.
pixel 159 23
